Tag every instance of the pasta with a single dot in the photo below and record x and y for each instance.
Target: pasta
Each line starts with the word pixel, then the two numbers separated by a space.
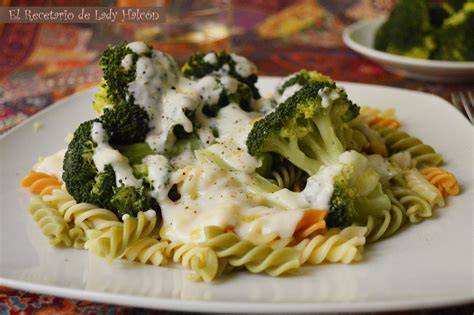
pixel 388 222
pixel 417 208
pixel 193 167
pixel 343 246
pixel 417 182
pixel 113 242
pixel 443 180
pixel 40 183
pixel 377 117
pixel 288 177
pixel 398 141
pixel 51 222
pixel 255 258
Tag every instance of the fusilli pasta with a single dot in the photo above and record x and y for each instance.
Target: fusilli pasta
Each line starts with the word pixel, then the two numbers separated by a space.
pixel 40 183
pixel 256 258
pixel 397 141
pixel 113 242
pixel 417 182
pixel 335 246
pixel 51 222
pixel 445 181
pixel 417 208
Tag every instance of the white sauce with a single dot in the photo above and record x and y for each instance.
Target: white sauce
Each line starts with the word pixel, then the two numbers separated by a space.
pixel 104 154
pixel 289 91
pixel 159 173
pixel 127 62
pixel 138 47
pixel 150 214
pixel 383 167
pixel 328 95
pixel 211 196
pixel 51 165
pixel 243 66
pixel 319 187
pixel 210 58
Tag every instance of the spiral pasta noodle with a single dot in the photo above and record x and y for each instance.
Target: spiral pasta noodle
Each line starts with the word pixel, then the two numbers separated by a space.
pixel 84 215
pixel 388 222
pixel 377 117
pixel 417 182
pixel 40 183
pixel 398 141
pixel 443 180
pixel 417 208
pixel 255 258
pixel 343 246
pixel 202 260
pixel 288 176
pixel 51 222
pixel 146 251
pixel 112 242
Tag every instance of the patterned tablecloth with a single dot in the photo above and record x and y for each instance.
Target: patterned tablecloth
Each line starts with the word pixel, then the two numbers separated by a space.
pixel 40 64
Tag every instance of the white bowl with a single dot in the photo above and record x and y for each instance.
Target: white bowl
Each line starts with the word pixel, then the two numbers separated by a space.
pixel 360 38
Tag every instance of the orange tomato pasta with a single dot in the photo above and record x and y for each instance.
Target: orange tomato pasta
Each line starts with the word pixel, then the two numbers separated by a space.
pixel 40 183
pixel 445 181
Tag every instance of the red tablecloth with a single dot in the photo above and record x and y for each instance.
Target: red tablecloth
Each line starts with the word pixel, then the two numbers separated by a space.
pixel 40 64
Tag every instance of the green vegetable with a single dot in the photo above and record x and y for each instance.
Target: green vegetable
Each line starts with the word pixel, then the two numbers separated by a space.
pixel 131 200
pixel 407 31
pixel 86 184
pixel 124 121
pixel 197 67
pixel 456 37
pixel 303 130
pixel 303 77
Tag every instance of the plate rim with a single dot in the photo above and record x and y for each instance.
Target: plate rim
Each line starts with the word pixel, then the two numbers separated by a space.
pixel 228 306
pixel 380 55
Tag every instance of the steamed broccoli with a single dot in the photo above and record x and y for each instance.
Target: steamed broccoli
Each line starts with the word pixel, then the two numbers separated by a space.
pixel 302 78
pixel 406 32
pixel 356 190
pixel 217 92
pixel 130 200
pixel 341 206
pixel 124 121
pixel 307 129
pixel 222 63
pixel 80 175
pixel 456 37
pixel 87 184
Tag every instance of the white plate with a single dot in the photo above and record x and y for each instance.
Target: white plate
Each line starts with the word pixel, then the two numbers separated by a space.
pixel 426 265
pixel 360 37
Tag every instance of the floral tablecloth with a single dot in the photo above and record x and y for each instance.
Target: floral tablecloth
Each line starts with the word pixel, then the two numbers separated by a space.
pixel 40 64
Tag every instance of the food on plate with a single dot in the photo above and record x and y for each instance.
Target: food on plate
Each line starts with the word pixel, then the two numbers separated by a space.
pixel 193 166
pixel 417 28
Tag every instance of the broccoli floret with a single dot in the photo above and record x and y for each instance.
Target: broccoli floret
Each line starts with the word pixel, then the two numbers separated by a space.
pixel 456 37
pixel 302 78
pixel 406 32
pixel 341 206
pixel 86 184
pixel 130 200
pixel 229 91
pixel 116 76
pixel 356 190
pixel 124 121
pixel 82 179
pixel 307 129
pixel 222 63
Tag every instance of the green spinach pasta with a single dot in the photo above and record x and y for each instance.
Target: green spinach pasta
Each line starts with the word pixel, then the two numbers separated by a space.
pixel 191 166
